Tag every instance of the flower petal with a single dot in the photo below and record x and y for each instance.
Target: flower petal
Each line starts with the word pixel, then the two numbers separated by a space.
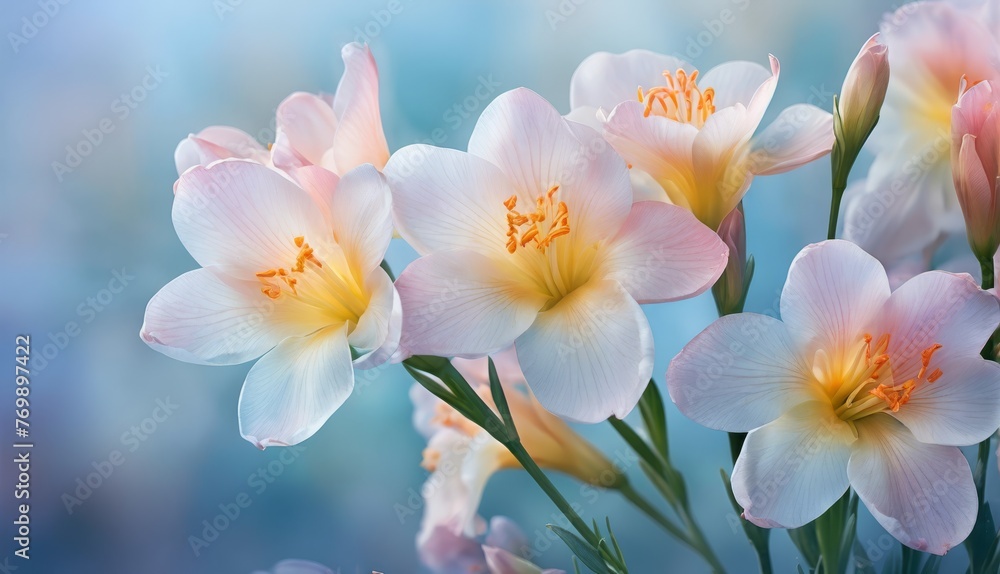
pixel 291 391
pixel 936 308
pixel 214 143
pixel 734 82
pixel 359 138
pixel 922 494
pixel 243 214
pixel 604 80
pixel 453 491
pixel 664 254
pixel 528 140
pixel 740 373
pixel 446 199
pixel 656 145
pixel 833 291
pixel 893 219
pixel 762 97
pixel 360 211
pixel 377 333
pixel 721 167
pixel 306 126
pixel 960 409
pixel 591 355
pixel 800 134
pixel 793 469
pixel 206 317
pixel 461 303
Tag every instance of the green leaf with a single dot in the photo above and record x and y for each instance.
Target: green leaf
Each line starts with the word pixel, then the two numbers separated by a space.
pixel 585 552
pixel 655 418
pixel 500 399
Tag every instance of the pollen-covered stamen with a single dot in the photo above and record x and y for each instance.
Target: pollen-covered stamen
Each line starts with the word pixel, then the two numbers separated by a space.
pixel 331 289
pixel 548 221
pixel 896 396
pixel 868 386
pixel 680 99
pixel 273 279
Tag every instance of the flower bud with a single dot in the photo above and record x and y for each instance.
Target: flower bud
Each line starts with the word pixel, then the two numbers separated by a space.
pixel 862 95
pixel 975 154
pixel 730 290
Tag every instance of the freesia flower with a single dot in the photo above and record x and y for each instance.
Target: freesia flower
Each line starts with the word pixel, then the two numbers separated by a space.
pixel 462 457
pixel 505 550
pixel 692 133
pixel 907 203
pixel 975 154
pixel 290 272
pixel 856 386
pixel 338 132
pixel 531 239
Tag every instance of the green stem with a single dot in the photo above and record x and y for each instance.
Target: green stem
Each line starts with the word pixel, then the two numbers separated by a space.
pixel 830 534
pixel 838 195
pixel 661 475
pixel 521 454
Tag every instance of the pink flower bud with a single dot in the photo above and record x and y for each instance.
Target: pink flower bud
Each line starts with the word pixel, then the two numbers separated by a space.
pixel 863 92
pixel 975 155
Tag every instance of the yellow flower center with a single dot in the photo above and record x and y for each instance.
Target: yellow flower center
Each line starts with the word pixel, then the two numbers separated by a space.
pixel 866 386
pixel 332 289
pixel 679 99
pixel 548 221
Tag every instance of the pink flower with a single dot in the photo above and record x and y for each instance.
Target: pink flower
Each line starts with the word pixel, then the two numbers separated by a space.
pixel 692 134
pixel 340 132
pixel 975 158
pixel 289 271
pixel 856 386
pixel 532 239
pixel 908 204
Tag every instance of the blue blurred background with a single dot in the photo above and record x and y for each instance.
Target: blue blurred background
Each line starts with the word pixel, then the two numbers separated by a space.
pixel 64 235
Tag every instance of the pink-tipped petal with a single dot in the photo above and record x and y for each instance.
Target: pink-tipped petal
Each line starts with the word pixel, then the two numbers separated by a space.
pixel 664 254
pixel 922 494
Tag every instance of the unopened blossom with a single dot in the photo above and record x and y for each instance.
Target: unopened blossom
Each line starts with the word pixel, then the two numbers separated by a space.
pixel 862 94
pixel 338 132
pixel 693 134
pixel 730 290
pixel 855 386
pixel 290 271
pixel 975 154
pixel 531 239
pixel 462 457
pixel 907 204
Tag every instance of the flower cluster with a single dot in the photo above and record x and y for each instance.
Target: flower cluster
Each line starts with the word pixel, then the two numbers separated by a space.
pixel 538 246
